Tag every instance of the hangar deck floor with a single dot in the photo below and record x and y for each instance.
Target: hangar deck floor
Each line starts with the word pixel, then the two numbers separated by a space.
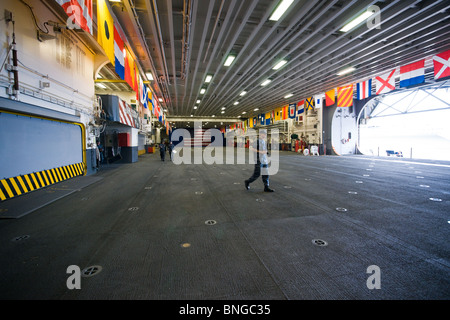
pixel 147 225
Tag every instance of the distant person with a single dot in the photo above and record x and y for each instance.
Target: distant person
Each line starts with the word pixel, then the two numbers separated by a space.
pixel 170 150
pixel 259 147
pixel 99 153
pixel 162 151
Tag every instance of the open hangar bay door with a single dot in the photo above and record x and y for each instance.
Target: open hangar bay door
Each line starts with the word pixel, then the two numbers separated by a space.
pixel 409 123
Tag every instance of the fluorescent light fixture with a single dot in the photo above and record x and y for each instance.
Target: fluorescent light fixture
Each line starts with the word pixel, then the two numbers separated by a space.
pixel 256 109
pixel 346 71
pixel 244 112
pixel 208 78
pixel 243 93
pixel 100 85
pixel 202 91
pixel 288 95
pixel 223 108
pixel 279 64
pixel 266 82
pixel 280 10
pixel 222 112
pixel 149 76
pixel 198 101
pixel 362 17
pixel 195 107
pixel 229 60
pixel 236 103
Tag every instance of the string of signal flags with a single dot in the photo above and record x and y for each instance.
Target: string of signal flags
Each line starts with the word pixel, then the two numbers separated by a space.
pixel 410 75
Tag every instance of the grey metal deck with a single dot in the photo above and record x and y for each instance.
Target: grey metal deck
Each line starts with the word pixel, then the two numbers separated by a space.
pixel 144 224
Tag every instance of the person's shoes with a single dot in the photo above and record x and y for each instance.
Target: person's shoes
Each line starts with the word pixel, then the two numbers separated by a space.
pixel 267 189
pixel 247 185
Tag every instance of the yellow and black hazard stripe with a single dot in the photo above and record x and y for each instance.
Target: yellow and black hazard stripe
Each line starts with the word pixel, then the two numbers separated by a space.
pixel 16 186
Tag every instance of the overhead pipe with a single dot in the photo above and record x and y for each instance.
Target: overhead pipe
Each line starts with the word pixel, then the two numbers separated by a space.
pixel 187 18
pixel 14 69
pixel 160 38
pixel 214 29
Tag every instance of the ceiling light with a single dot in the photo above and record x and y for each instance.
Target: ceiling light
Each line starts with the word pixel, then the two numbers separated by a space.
pixel 236 103
pixel 265 83
pixel 288 95
pixel 222 112
pixel 244 112
pixel 243 93
pixel 346 71
pixel 279 64
pixel 100 85
pixel 256 109
pixel 229 60
pixel 208 78
pixel 280 10
pixel 356 21
pixel 198 101
pixel 223 108
pixel 195 107
pixel 149 76
pixel 213 116
pixel 202 91
pixel 160 99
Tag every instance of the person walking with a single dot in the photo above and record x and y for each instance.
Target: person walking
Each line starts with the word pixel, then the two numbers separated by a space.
pixel 171 146
pixel 162 151
pixel 260 149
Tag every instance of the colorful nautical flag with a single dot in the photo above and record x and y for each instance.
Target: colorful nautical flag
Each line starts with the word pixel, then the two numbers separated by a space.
pixel 345 96
pixel 364 89
pixel 267 117
pixel 79 12
pixel 412 74
pixel 301 107
pixel 318 100
pixel 105 23
pixel 292 110
pixel 284 114
pixel 144 94
pixel 262 118
pixel 130 71
pixel 385 82
pixel 255 122
pixel 118 54
pixel 309 103
pixel 277 114
pixel 330 97
pixel 441 64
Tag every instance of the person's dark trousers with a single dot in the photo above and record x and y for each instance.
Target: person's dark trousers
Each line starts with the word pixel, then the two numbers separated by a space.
pixel 163 156
pixel 256 174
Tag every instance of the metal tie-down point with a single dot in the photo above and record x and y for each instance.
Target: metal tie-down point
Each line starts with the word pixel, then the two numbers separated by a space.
pixel 210 222
pixel 320 242
pixel 91 271
pixel 20 238
pixel 341 209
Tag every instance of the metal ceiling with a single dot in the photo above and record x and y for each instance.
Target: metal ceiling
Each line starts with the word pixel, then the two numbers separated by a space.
pixel 182 41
